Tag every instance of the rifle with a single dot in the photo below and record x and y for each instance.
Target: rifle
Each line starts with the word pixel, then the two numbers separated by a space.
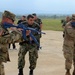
pixel 8 25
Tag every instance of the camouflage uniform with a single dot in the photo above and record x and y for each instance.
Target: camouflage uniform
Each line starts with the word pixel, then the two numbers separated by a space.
pixel 69 45
pixel 33 53
pixel 5 39
pixel 64 23
pixel 39 22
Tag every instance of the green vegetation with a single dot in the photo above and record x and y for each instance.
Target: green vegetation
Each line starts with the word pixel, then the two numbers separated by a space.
pixel 50 24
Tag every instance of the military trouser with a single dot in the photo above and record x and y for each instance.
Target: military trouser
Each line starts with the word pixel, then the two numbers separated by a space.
pixel 13 44
pixel 33 55
pixel 2 69
pixel 39 44
pixel 69 54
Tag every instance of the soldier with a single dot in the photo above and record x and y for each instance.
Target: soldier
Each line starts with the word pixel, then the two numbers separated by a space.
pixel 7 36
pixel 39 22
pixel 26 46
pixel 69 45
pixel 64 23
pixel 23 19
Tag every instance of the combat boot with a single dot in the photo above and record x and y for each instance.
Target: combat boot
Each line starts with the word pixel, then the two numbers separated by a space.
pixel 68 72
pixel 31 72
pixel 20 72
pixel 73 73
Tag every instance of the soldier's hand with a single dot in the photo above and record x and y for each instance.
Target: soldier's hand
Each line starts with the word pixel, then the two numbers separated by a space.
pixel 13 28
pixel 28 32
pixel 20 29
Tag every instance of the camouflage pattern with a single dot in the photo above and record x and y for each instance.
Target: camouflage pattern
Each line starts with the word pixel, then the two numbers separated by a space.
pixel 12 37
pixel 38 21
pixel 69 45
pixel 33 55
pixel 27 47
pixel 9 15
pixel 5 39
pixel 2 69
pixel 73 16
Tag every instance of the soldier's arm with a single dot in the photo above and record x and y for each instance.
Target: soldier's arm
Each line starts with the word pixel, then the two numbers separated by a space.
pixel 11 37
pixel 40 24
pixel 36 35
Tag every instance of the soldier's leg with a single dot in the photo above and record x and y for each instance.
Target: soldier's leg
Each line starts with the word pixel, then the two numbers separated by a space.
pixel 39 47
pixel 74 62
pixel 68 61
pixel 14 46
pixel 33 55
pixel 2 69
pixel 9 45
pixel 21 59
pixel 39 44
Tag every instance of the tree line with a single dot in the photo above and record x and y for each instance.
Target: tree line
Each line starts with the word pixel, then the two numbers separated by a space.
pixel 52 16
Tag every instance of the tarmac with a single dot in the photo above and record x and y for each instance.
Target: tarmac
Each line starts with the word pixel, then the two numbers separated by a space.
pixel 50 62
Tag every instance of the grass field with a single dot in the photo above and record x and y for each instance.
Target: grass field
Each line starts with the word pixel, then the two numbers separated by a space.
pixel 50 24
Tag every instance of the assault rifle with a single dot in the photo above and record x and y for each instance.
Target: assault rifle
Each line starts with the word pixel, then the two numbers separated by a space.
pixel 8 25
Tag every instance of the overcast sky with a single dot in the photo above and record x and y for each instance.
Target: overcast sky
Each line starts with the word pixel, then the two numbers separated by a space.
pixel 38 6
